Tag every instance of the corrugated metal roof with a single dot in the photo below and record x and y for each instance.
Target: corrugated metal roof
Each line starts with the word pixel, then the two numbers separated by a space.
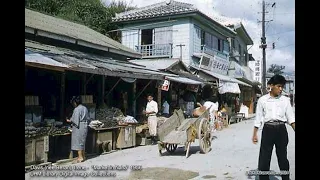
pixel 159 64
pixel 183 80
pixel 96 64
pixel 156 10
pixel 59 26
pixel 40 59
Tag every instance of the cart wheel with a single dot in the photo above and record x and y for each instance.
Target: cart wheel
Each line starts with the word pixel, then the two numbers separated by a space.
pixel 204 136
pixel 160 147
pixel 171 147
pixel 188 149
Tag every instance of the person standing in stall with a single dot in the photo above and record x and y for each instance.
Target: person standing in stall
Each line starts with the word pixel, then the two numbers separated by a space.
pixel 165 109
pixel 151 112
pixel 80 121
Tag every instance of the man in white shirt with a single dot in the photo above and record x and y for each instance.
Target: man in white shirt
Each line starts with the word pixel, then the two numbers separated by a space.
pixel 151 112
pixel 273 110
pixel 213 109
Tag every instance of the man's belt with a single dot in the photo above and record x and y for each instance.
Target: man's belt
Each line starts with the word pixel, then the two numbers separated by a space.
pixel 274 122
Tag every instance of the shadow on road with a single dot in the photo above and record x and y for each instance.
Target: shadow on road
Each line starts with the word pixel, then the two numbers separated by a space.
pixel 180 151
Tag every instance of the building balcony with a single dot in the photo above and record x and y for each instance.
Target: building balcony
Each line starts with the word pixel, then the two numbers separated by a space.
pixel 155 50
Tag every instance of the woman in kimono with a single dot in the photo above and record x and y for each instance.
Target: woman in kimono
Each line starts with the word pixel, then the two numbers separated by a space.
pixel 80 121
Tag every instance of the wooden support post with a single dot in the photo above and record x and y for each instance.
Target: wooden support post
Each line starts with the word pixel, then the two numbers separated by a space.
pixel 159 98
pixel 62 96
pixel 134 104
pixel 84 84
pixel 102 89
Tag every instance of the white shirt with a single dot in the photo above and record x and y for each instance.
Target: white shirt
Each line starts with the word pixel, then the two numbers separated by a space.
pixel 165 108
pixel 152 106
pixel 213 108
pixel 270 108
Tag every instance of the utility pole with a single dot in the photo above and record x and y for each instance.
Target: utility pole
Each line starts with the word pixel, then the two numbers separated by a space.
pixel 181 50
pixel 263 46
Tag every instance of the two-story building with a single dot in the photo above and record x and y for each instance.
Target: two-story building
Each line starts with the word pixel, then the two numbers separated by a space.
pixel 174 29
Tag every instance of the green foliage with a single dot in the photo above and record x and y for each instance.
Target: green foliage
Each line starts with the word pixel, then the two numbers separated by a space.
pixel 92 13
pixel 276 69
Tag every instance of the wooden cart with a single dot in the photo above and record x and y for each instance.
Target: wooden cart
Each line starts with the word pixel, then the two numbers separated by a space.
pixel 180 131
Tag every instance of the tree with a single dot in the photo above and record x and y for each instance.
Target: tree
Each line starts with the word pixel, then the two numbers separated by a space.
pixel 92 13
pixel 276 69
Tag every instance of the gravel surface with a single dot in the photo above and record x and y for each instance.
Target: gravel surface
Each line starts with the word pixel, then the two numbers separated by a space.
pixel 232 155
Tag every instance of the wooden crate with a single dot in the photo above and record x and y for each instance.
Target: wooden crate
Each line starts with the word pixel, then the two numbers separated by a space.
pixel 101 140
pixel 142 141
pixel 59 145
pixel 126 136
pixel 36 150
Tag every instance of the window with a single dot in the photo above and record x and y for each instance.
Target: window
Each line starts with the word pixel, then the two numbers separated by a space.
pixel 219 45
pixel 257 64
pixel 202 39
pixel 226 48
pixel 208 40
pixel 257 79
pixel 233 44
pixel 215 42
pixel 257 68
pixel 257 73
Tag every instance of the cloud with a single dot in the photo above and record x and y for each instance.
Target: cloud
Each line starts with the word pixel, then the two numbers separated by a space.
pixel 279 31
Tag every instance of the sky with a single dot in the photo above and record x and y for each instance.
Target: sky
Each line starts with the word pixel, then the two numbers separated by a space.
pixel 280 30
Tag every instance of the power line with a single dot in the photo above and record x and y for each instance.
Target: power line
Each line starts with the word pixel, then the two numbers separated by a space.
pixel 281 47
pixel 280 33
pixel 274 34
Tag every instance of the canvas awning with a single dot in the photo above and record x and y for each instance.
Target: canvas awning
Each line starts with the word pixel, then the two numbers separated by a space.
pixel 228 87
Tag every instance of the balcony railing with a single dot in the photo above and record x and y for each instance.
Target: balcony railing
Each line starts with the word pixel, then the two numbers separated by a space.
pixel 155 50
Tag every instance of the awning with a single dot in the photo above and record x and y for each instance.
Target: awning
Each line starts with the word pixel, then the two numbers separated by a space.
pixel 35 59
pixel 225 78
pixel 228 87
pixel 183 80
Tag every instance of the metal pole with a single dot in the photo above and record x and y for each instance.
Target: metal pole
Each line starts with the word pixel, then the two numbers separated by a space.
pixel 263 45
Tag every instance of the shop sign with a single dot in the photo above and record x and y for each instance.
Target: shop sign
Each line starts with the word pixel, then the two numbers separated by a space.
pixel 164 85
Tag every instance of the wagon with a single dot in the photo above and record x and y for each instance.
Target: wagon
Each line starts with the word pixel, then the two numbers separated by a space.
pixel 177 130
